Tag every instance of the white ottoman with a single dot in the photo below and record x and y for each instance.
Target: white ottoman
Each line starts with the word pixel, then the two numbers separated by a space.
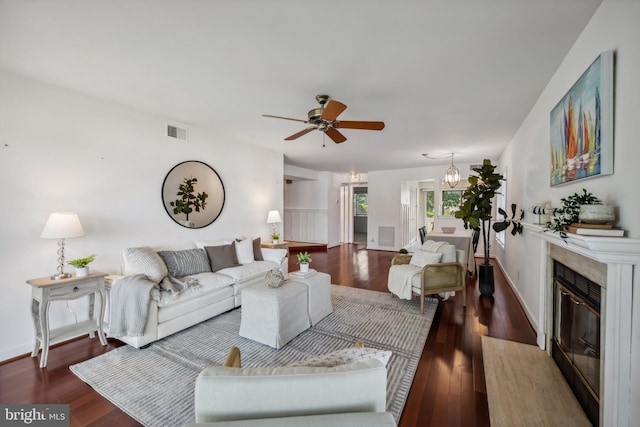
pixel 319 295
pixel 274 316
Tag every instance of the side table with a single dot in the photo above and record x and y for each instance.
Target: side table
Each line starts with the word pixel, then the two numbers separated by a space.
pixel 45 290
pixel 280 245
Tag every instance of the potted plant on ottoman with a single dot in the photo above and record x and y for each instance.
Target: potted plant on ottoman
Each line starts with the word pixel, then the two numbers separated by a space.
pixel 82 265
pixel 304 259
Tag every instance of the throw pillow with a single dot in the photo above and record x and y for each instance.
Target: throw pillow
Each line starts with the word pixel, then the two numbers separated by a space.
pixel 257 249
pixel 344 356
pixel 421 258
pixel 244 251
pixel 185 262
pixel 146 261
pixel 221 256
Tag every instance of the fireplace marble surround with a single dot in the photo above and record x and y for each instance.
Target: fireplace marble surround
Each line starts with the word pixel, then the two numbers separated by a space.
pixel 610 262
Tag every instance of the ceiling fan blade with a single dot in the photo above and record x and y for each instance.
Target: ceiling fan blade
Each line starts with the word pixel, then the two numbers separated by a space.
pixel 333 110
pixel 335 135
pixel 299 134
pixel 285 118
pixel 346 124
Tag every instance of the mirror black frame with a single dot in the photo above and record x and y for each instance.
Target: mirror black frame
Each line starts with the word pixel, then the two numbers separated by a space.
pixel 187 178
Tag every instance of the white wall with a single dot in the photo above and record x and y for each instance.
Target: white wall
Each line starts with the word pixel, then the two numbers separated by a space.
pixel 389 188
pixel 615 26
pixel 62 151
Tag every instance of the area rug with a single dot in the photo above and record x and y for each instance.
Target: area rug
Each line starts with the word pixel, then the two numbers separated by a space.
pixel 155 385
pixel 526 388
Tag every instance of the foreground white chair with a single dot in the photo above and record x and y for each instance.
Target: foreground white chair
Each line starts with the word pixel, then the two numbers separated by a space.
pixel 352 394
pixel 434 268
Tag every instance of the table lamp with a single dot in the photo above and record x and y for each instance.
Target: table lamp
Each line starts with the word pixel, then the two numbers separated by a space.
pixel 62 225
pixel 274 218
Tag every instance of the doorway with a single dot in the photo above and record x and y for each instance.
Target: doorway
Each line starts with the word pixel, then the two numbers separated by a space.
pixel 354 211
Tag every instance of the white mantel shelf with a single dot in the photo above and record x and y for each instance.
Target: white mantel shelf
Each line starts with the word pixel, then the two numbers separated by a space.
pixel 608 250
pixel 621 255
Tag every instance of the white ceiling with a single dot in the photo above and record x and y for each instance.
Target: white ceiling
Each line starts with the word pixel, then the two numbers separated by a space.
pixel 445 76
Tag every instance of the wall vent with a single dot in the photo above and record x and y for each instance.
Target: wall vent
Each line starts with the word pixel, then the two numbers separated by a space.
pixel 176 132
pixel 386 236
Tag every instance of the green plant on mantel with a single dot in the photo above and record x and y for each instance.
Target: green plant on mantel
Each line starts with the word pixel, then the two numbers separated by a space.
pixel 82 262
pixel 569 212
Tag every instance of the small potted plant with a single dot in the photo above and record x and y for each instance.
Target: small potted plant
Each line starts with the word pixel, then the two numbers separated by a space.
pixel 275 237
pixel 82 265
pixel 304 259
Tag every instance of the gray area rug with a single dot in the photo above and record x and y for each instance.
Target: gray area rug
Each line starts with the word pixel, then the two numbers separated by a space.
pixel 155 385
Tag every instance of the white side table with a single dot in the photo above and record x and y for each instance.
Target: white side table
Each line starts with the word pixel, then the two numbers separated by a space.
pixel 319 295
pixel 44 290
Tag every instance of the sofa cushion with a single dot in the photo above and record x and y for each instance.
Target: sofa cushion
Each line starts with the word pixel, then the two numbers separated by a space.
pixel 257 249
pixel 346 355
pixel 221 257
pixel 242 273
pixel 421 258
pixel 186 262
pixel 207 282
pixel 244 251
pixel 146 261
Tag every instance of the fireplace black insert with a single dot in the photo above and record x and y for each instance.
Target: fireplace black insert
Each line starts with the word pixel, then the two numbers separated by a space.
pixel 576 336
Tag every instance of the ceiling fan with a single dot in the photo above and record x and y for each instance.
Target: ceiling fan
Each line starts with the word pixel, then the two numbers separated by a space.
pixel 324 119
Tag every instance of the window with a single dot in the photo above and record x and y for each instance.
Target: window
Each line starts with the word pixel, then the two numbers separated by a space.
pixel 430 208
pixel 360 204
pixel 451 201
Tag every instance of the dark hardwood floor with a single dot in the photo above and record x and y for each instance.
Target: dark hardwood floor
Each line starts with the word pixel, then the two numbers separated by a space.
pixel 448 388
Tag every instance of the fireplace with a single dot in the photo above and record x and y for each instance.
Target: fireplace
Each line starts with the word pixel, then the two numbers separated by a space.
pixel 585 286
pixel 575 345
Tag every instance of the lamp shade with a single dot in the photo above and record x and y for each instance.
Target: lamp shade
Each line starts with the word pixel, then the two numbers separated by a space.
pixel 274 217
pixel 62 225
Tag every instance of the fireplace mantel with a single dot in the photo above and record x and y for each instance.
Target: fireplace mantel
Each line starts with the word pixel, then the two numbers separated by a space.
pixel 620 254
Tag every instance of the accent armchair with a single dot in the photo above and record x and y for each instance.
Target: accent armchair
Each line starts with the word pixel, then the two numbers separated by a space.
pixel 352 394
pixel 434 268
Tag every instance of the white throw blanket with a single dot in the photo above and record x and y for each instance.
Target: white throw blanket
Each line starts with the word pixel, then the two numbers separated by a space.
pixel 129 306
pixel 400 277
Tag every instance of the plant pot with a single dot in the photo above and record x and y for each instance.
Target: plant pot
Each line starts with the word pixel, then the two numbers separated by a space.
pixel 275 241
pixel 82 271
pixel 485 280
pixel 304 267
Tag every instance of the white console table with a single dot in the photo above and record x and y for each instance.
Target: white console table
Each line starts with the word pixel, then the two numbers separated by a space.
pixel 45 290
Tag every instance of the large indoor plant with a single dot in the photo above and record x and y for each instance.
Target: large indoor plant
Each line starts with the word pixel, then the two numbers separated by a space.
pixel 476 211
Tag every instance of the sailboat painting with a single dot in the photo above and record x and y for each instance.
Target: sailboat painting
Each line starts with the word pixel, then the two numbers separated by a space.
pixel 582 126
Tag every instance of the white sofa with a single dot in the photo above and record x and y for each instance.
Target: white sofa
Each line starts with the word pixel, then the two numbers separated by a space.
pixel 216 291
pixel 352 394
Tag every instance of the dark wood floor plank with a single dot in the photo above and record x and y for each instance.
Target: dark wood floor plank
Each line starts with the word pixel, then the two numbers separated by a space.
pixel 448 389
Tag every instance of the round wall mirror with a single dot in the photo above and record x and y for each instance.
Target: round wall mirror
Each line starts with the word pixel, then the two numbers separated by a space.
pixel 193 194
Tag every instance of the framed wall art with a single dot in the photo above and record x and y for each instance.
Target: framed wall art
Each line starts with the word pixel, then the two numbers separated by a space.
pixel 582 126
pixel 193 194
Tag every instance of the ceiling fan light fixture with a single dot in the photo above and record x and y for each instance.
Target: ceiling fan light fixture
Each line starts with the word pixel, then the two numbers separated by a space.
pixel 452 174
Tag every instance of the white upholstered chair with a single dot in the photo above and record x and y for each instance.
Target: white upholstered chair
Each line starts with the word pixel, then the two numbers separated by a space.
pixel 434 268
pixel 352 394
